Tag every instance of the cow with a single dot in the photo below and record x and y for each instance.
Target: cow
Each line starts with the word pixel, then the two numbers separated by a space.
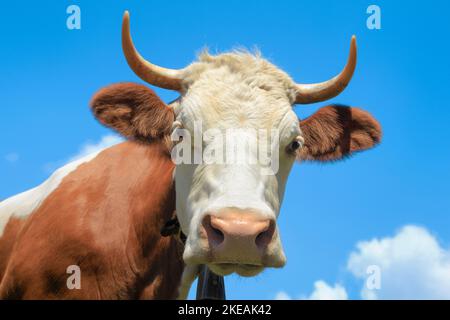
pixel 103 213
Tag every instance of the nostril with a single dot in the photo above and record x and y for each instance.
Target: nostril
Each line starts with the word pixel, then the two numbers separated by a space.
pixel 265 237
pixel 214 235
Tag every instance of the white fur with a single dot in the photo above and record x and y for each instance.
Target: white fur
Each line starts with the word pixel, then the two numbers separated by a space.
pixel 23 204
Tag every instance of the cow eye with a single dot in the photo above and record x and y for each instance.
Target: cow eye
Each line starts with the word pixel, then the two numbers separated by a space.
pixel 294 145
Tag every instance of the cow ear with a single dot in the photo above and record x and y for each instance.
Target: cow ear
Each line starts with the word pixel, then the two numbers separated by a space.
pixel 133 110
pixel 334 132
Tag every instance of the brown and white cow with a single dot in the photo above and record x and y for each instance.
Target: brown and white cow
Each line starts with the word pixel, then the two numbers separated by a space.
pixel 104 213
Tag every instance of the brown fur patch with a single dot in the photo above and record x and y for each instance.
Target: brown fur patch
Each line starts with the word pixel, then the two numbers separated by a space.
pixel 104 217
pixel 335 132
pixel 134 110
pixel 7 240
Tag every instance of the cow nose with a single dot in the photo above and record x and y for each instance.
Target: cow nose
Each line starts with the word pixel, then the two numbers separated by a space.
pixel 245 232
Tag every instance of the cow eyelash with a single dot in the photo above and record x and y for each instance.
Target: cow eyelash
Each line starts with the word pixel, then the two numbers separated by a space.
pixel 295 145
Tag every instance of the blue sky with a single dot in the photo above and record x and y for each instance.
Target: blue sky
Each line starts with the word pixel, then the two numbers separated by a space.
pixel 49 73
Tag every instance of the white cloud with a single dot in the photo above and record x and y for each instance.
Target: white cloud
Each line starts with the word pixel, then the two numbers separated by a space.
pixel 412 263
pixel 282 296
pixel 92 147
pixel 12 157
pixel 87 148
pixel 322 291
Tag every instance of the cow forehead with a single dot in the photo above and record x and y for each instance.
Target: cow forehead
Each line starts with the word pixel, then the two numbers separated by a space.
pixel 236 90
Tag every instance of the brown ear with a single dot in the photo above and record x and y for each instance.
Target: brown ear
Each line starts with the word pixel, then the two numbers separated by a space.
pixel 335 132
pixel 133 110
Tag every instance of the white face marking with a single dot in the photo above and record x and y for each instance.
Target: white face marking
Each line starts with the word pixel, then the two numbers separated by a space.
pixel 25 203
pixel 225 97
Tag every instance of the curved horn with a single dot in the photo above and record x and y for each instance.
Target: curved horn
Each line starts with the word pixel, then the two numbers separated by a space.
pixel 151 73
pixel 316 92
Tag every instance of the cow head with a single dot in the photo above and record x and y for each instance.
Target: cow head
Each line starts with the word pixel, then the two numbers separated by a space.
pixel 228 208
